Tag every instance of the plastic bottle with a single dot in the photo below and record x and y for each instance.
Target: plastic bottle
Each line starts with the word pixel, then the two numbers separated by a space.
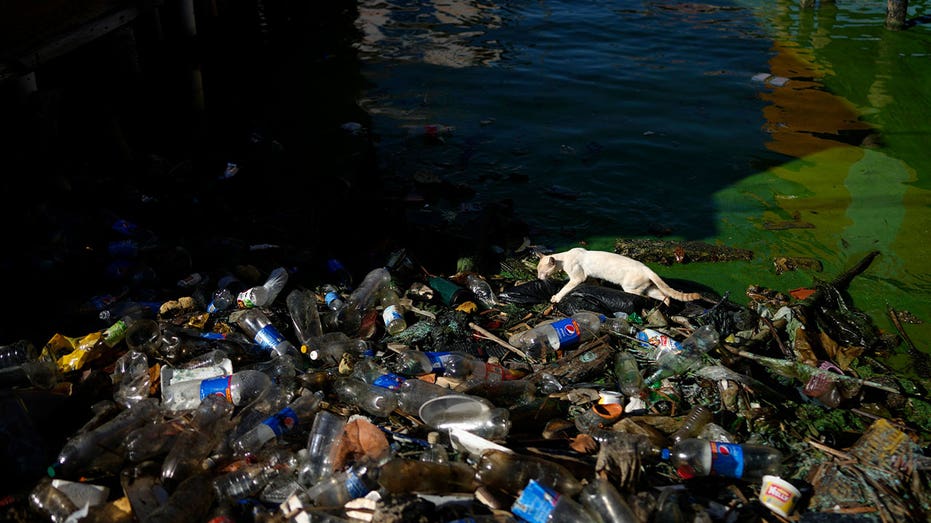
pixel 45 499
pixel 228 288
pixel 620 326
pixel 392 312
pixel 302 307
pixel 674 360
pixel 694 422
pixel 301 409
pixel 600 415
pixel 544 339
pixel 629 378
pixel 332 298
pixel 375 400
pixel 400 475
pixel 326 433
pixel 131 378
pixel 374 373
pixel 209 424
pixel 243 482
pixel 482 290
pixel 538 503
pixel 475 371
pixel 413 393
pixel 435 451
pixel 263 295
pixel 364 295
pixel 600 497
pixel 510 472
pixel 413 362
pixel 449 293
pixel 238 388
pixel 98 450
pixel 693 457
pixel 189 501
pixel 466 412
pixel 152 439
pixel 17 353
pixel 329 349
pixel 256 324
pixel 344 486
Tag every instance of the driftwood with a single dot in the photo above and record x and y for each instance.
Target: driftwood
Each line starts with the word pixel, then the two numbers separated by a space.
pixel 670 252
pixel 591 358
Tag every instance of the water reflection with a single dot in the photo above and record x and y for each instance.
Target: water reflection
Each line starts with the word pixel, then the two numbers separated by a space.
pixel 440 32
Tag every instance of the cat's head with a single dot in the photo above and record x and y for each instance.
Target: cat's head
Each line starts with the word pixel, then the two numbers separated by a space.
pixel 546 267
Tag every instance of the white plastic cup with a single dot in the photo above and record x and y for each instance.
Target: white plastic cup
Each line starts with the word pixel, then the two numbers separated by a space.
pixel 779 495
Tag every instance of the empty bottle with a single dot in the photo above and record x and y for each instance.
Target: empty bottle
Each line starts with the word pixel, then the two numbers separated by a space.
pixel 256 324
pixel 374 373
pixel 676 359
pixel 404 476
pixel 510 472
pixel 620 326
pixel 332 298
pixel 46 499
pixel 694 422
pixel 413 393
pixel 263 295
pixel 629 377
pixel 99 451
pixel 482 290
pixel 209 424
pixel 375 400
pixel 544 339
pixel 413 362
pixel 364 295
pixel 448 292
pixel 238 388
pixel 336 490
pixel 538 503
pixel 392 312
pixel 131 378
pixel 600 497
pixel 693 457
pixel 324 439
pixel 474 371
pixel 435 451
pixel 302 307
pixel 329 348
pixel 301 409
pixel 152 439
pixel 17 353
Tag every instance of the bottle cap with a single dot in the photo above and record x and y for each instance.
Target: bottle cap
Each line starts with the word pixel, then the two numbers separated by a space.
pixel 664 454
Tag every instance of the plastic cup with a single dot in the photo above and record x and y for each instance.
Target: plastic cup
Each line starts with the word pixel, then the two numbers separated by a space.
pixel 779 495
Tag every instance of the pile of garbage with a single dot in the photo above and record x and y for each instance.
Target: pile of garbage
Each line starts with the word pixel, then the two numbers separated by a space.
pixel 410 395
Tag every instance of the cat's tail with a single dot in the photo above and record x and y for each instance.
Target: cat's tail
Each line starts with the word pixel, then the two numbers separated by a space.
pixel 672 293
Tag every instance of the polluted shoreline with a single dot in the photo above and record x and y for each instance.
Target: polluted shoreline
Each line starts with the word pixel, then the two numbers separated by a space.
pixel 412 394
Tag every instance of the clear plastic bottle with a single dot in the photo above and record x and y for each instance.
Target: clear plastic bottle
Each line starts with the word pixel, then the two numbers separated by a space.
pixel 676 359
pixel 256 324
pixel 50 501
pixel 375 400
pixel 629 377
pixel 413 362
pixel 98 450
pixel 600 497
pixel 474 370
pixel 364 295
pixel 329 348
pixel 299 410
pixel 374 373
pixel 538 503
pixel 209 424
pixel 302 307
pixel 435 451
pixel 694 422
pixel 222 299
pixel 17 353
pixel 324 439
pixel 392 310
pixel 152 439
pixel 401 475
pixel 482 290
pixel 694 457
pixel 263 295
pixel 332 298
pixel 131 378
pixel 620 326
pixel 544 339
pixel 243 482
pixel 336 490
pixel 510 472
pixel 413 393
pixel 238 388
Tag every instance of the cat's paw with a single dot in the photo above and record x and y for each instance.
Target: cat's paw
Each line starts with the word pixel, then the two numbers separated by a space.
pixel 555 298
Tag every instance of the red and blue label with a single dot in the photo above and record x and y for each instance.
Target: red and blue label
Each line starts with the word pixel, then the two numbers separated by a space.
pixel 219 386
pixel 567 331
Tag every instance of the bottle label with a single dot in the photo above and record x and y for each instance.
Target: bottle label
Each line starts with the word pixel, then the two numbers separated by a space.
pixel 389 381
pixel 438 360
pixel 246 299
pixel 331 297
pixel 567 331
pixel 219 385
pixel 269 337
pixel 355 487
pixel 535 503
pixel 727 459
pixel 651 339
pixel 392 313
pixel 283 421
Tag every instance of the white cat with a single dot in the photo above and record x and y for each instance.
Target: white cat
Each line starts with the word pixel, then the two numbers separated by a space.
pixel 633 276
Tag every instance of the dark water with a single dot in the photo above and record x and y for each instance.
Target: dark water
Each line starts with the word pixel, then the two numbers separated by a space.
pixel 626 119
